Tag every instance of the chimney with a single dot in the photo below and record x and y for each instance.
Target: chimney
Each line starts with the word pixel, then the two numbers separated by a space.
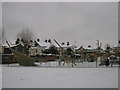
pixel 38 40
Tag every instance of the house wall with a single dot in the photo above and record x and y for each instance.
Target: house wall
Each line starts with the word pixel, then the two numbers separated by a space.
pixel 34 51
pixel 39 50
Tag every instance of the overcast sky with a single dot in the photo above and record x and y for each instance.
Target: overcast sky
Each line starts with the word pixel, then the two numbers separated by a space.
pixel 81 22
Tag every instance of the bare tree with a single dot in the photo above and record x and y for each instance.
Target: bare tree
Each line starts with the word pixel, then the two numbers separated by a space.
pixel 2 36
pixel 0 45
pixel 25 37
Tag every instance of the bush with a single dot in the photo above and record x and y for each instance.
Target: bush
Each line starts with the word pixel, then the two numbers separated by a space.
pixel 23 60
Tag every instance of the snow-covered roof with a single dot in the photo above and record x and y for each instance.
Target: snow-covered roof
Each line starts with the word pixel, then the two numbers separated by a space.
pixel 77 48
pixel 11 44
pixel 56 45
pixel 64 46
pixel 44 44
pixel 47 45
pixel 4 44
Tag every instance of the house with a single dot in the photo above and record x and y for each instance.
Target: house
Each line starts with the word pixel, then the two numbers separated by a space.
pixel 65 46
pixel 18 47
pixel 38 47
pixel 8 56
pixel 33 51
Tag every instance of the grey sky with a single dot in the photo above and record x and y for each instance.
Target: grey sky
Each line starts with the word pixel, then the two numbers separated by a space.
pixel 81 22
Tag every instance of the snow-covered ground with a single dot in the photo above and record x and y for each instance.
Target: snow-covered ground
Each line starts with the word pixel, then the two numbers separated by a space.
pixel 37 77
pixel 0 76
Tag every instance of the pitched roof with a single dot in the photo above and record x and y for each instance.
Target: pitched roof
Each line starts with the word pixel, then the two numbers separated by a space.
pixel 43 44
pixel 11 44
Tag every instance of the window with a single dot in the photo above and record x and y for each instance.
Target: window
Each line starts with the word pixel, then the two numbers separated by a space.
pixel 36 50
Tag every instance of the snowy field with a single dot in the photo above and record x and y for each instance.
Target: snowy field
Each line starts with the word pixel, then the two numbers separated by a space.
pixel 37 77
pixel 0 76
